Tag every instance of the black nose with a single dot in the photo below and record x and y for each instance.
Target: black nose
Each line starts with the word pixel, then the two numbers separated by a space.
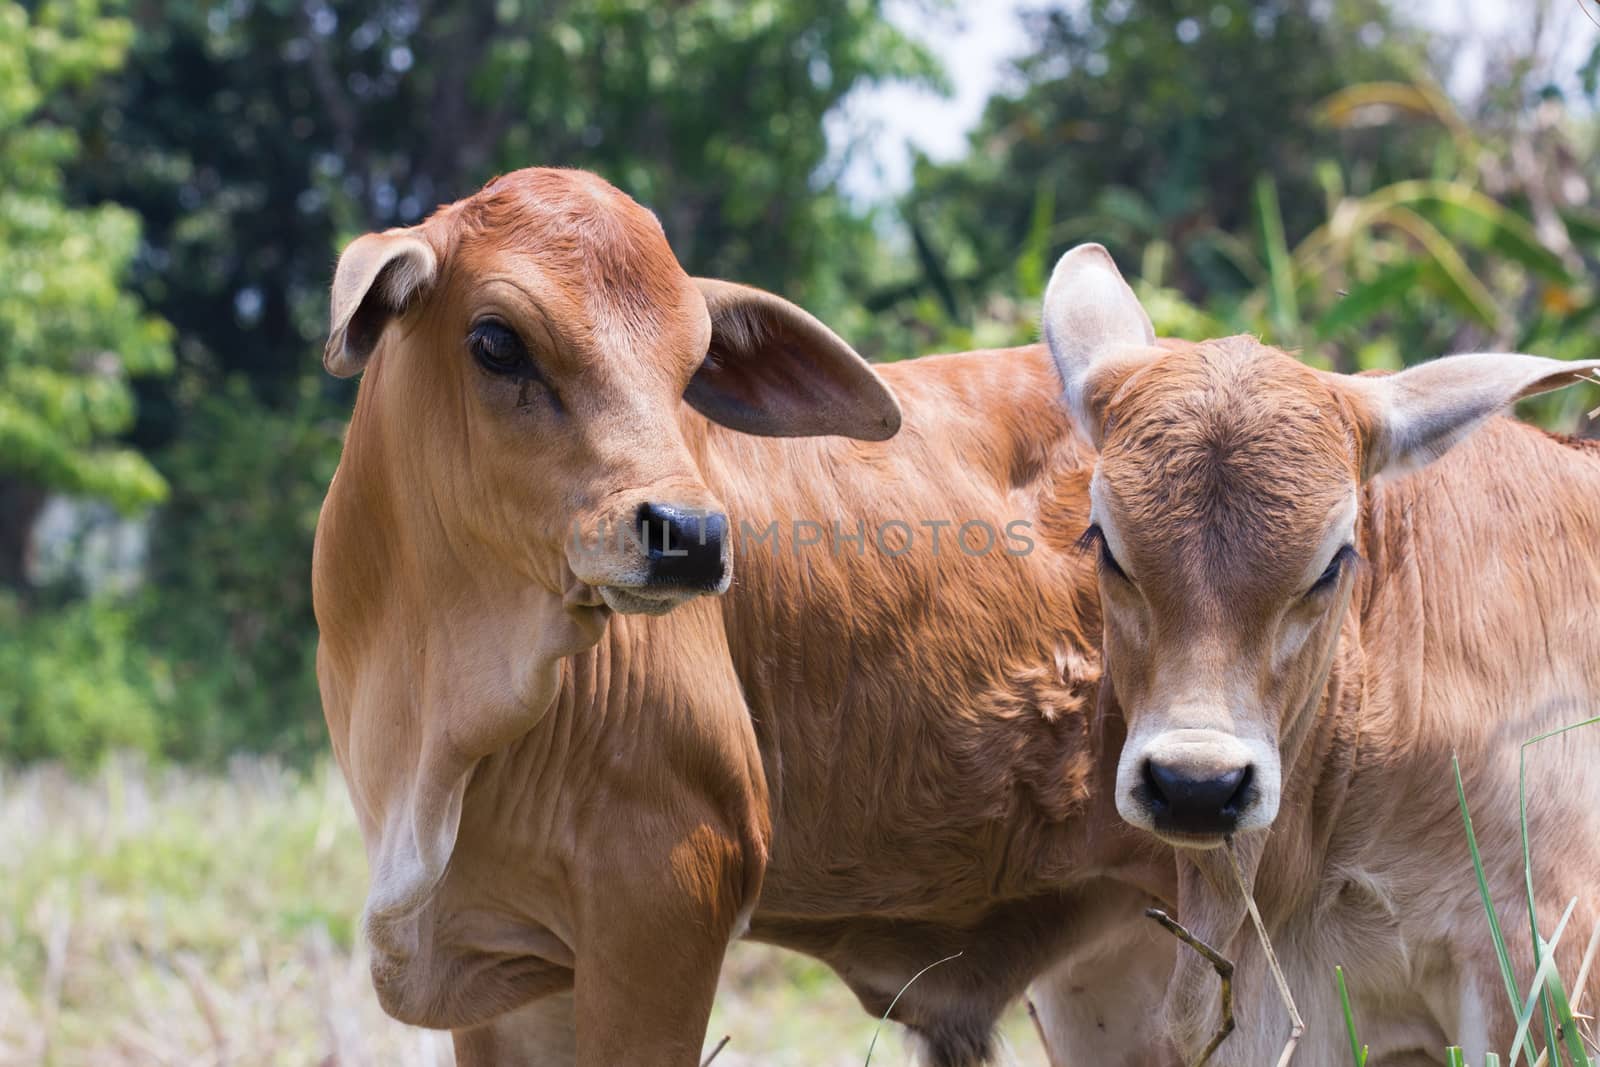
pixel 1185 800
pixel 685 547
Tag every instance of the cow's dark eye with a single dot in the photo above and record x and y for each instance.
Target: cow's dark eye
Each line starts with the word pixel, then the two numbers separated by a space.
pixel 1330 576
pixel 499 350
pixel 1095 538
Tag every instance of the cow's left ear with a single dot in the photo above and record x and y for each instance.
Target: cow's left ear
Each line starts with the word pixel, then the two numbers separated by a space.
pixel 774 370
pixel 377 277
pixel 1097 333
pixel 1409 419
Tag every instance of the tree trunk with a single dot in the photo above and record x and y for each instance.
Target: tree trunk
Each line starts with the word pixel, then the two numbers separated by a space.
pixel 20 504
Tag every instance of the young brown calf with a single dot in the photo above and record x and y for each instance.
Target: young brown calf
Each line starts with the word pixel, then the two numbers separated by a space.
pixel 1300 633
pixel 876 748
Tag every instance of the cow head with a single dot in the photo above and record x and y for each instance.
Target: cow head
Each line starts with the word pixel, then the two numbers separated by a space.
pixel 1224 509
pixel 536 339
pixel 517 469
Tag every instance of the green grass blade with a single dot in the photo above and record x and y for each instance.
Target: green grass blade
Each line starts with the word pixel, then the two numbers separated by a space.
pixel 1554 1002
pixel 1483 892
pixel 1557 1002
pixel 1491 1059
pixel 890 1009
pixel 1454 1058
pixel 1358 1051
pixel 1283 301
pixel 1536 991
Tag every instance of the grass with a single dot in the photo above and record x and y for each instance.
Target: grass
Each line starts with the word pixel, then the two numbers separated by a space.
pixel 163 917
pixel 1567 1036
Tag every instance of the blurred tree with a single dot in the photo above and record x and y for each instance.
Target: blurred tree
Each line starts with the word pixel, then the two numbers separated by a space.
pixel 71 336
pixel 1151 121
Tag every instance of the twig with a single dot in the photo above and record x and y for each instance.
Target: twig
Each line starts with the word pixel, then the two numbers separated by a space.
pixel 896 1000
pixel 194 977
pixel 1222 966
pixel 55 973
pixel 1583 6
pixel 1583 969
pixel 1038 1028
pixel 713 1053
pixel 1297 1026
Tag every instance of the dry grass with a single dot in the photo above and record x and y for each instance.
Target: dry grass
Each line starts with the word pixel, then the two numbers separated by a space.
pixel 160 917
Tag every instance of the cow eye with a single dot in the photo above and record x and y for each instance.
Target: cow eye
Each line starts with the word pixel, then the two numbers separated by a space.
pixel 499 350
pixel 1094 537
pixel 1330 575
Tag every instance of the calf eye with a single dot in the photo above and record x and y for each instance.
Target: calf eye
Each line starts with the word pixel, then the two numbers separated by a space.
pixel 1094 537
pixel 1335 567
pixel 499 350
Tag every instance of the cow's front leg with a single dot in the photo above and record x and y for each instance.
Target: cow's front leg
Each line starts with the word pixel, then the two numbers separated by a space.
pixel 541 1034
pixel 656 922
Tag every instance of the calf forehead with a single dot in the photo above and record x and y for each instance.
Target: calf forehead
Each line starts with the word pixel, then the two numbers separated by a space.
pixel 1225 461
pixel 597 262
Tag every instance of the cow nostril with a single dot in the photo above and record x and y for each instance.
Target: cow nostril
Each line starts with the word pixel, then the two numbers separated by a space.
pixel 685 546
pixel 1241 796
pixel 1156 797
pixel 1190 800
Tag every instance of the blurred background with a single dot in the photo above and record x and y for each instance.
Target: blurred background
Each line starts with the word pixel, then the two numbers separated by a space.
pixel 1370 182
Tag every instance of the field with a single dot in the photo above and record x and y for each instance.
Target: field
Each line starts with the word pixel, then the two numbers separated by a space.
pixel 161 917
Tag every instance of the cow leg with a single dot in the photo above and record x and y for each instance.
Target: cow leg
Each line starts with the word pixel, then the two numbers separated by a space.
pixel 656 924
pixel 540 1034
pixel 644 994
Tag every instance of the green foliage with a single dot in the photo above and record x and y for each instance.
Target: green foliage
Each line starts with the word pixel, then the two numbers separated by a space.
pixel 229 588
pixel 70 335
pixel 75 683
pixel 1358 1051
pixel 1153 122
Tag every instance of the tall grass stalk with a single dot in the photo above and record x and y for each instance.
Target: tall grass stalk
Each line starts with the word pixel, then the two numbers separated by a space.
pixel 1554 1000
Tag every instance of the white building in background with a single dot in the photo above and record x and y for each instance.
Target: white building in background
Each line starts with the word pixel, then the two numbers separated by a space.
pixel 90 543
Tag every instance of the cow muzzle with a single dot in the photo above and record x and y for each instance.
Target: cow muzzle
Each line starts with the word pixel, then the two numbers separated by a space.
pixel 1193 788
pixel 679 553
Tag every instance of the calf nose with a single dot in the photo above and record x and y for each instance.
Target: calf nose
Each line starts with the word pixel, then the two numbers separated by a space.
pixel 686 548
pixel 1195 800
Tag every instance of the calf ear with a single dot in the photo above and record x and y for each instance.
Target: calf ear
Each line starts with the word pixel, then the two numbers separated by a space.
pixel 377 276
pixel 773 370
pixel 1409 419
pixel 1096 331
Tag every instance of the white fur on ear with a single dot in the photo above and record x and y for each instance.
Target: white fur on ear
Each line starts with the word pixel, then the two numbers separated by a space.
pixel 1089 313
pixel 1418 415
pixel 378 275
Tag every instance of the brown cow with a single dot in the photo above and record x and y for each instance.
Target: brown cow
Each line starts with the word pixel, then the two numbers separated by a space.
pixel 1299 635
pixel 873 750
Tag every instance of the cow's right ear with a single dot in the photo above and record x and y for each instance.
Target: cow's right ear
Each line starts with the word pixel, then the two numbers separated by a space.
pixel 1096 330
pixel 1409 419
pixel 378 275
pixel 774 370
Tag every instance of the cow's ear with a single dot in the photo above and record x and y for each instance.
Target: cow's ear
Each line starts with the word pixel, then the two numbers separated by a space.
pixel 1409 419
pixel 378 275
pixel 774 370
pixel 1096 330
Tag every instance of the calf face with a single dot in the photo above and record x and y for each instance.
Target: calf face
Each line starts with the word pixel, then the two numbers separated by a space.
pixel 1225 509
pixel 537 340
